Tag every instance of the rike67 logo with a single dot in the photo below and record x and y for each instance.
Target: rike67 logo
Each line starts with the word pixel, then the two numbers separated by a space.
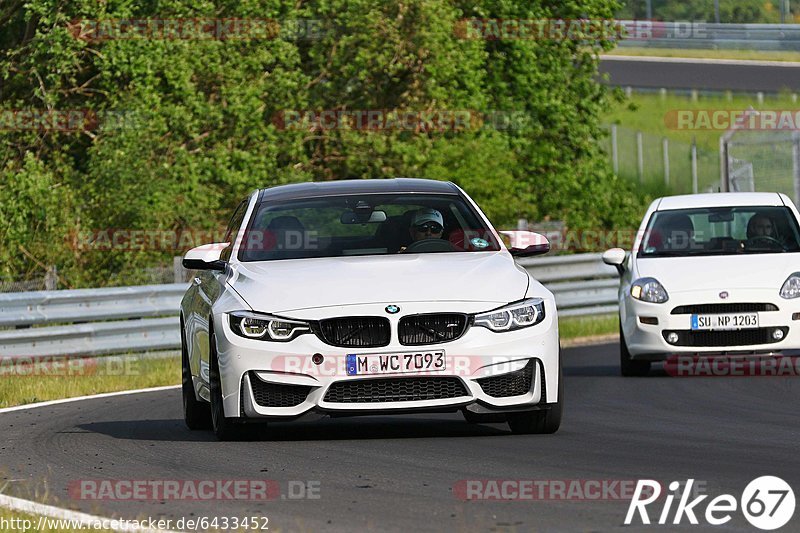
pixel 767 503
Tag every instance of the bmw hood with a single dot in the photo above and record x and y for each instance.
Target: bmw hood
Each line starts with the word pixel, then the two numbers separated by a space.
pixel 294 284
pixel 755 271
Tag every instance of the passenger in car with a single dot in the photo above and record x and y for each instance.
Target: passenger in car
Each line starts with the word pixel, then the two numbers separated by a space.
pixel 673 232
pixel 285 234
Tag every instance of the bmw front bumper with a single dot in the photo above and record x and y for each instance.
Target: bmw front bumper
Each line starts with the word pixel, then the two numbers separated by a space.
pixel 279 380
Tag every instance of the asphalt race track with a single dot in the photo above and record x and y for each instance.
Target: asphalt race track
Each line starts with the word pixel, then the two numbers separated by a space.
pixel 398 473
pixel 672 73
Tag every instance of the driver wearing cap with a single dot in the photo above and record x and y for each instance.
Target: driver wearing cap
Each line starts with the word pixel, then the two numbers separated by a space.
pixel 427 223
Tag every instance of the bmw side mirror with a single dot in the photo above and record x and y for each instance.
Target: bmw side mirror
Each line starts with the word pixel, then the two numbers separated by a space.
pixel 205 257
pixel 526 243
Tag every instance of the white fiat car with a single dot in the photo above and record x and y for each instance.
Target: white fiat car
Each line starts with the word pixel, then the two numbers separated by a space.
pixel 367 297
pixel 710 274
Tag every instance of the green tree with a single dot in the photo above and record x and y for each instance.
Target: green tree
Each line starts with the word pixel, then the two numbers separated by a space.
pixel 187 127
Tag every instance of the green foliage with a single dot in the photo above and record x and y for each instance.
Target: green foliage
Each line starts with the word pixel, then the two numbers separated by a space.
pixel 187 127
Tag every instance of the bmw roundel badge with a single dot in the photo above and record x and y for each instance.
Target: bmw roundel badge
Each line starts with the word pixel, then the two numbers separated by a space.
pixel 392 309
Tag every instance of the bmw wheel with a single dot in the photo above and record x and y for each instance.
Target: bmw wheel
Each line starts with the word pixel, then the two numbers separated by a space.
pixel 196 413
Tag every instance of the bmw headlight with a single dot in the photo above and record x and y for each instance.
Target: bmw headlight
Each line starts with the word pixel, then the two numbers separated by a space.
pixel 791 287
pixel 513 316
pixel 649 290
pixel 266 327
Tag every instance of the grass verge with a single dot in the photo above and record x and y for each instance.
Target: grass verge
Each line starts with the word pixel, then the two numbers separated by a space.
pixel 25 382
pixel 582 330
pixel 752 55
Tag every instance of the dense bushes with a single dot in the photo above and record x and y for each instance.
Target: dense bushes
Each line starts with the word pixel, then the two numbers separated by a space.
pixel 185 128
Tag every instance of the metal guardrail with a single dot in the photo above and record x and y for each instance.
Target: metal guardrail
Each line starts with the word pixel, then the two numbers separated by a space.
pixel 709 35
pixel 582 284
pixel 88 322
pixel 86 305
pixel 97 338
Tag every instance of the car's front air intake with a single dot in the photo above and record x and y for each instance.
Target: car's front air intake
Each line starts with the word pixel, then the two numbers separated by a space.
pixel 395 390
pixel 722 338
pixel 511 384
pixel 736 307
pixel 277 395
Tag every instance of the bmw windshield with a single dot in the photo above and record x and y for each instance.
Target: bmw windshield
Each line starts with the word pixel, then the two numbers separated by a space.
pixel 366 224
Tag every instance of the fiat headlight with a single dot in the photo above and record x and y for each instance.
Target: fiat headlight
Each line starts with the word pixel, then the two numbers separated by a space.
pixel 649 290
pixel 791 287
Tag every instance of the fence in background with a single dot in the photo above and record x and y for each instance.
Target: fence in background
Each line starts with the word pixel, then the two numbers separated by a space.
pixel 761 161
pixel 84 322
pixel 681 167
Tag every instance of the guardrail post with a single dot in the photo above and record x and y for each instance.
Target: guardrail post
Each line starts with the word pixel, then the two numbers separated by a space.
pixel 51 278
pixel 723 164
pixel 639 156
pixel 614 152
pixel 665 149
pixel 796 164
pixel 694 166
pixel 178 270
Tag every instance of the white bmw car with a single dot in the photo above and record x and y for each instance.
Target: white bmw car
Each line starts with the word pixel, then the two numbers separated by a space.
pixel 710 274
pixel 367 297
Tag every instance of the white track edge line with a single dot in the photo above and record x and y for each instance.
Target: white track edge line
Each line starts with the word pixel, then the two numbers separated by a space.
pixel 80 398
pixel 85 520
pixel 702 61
